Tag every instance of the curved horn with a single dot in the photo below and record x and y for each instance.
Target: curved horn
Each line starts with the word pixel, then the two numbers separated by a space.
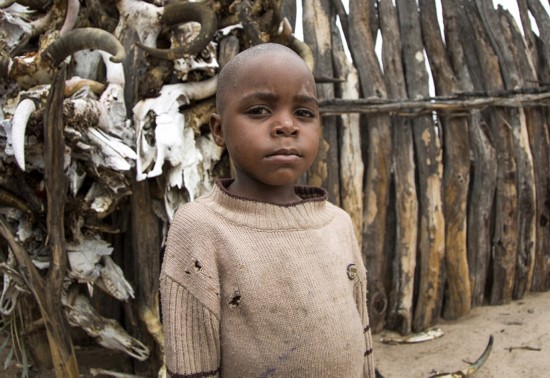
pixel 302 49
pixel 18 126
pixel 178 13
pixel 73 7
pixel 299 47
pixel 83 39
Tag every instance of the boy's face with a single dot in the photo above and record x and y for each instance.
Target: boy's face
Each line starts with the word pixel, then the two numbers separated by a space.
pixel 270 121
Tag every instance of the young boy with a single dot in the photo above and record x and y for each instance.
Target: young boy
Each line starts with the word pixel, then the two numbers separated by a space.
pixel 261 277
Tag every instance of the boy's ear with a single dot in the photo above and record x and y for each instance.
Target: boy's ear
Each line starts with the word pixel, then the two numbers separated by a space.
pixel 216 129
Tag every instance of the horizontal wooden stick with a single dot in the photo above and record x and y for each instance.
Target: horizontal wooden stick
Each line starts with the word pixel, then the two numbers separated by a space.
pixel 414 108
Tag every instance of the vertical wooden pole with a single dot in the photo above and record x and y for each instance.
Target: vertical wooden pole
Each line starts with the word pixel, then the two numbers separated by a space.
pixel 456 176
pixel 378 158
pixel 504 246
pixel 351 160
pixel 430 170
pixel 317 34
pixel 143 255
pixel 537 122
pixel 400 310
pixel 481 203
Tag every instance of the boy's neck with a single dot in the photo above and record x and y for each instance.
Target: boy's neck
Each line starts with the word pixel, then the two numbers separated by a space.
pixel 280 194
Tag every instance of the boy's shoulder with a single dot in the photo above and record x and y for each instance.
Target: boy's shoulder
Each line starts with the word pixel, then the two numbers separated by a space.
pixel 339 213
pixel 192 214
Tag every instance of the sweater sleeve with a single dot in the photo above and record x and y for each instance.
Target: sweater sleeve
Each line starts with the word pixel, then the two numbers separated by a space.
pixel 191 333
pixel 189 293
pixel 361 300
pixel 360 293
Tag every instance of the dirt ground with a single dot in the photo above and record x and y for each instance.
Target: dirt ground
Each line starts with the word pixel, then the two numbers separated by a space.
pixel 521 343
pixel 521 346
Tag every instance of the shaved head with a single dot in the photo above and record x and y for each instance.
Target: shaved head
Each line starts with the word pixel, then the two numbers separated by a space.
pixel 230 75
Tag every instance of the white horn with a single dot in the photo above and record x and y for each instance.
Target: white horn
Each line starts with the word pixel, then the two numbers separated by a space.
pixel 18 127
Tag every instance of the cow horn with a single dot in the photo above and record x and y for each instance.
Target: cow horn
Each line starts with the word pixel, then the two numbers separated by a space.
pixel 83 39
pixel 178 13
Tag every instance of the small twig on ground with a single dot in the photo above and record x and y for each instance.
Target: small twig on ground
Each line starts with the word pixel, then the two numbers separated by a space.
pixel 524 348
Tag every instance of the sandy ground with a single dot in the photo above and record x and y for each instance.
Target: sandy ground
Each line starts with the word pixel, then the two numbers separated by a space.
pixel 521 346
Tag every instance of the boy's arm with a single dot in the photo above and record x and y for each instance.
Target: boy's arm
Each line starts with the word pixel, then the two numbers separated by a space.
pixel 361 300
pixel 360 292
pixel 189 289
pixel 191 333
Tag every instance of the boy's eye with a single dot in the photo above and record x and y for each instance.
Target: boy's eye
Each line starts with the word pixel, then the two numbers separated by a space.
pixel 305 113
pixel 257 111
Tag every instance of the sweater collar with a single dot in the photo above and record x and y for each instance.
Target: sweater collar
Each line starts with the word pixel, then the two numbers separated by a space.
pixel 312 211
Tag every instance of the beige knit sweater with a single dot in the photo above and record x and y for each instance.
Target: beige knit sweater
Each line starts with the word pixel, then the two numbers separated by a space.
pixel 252 289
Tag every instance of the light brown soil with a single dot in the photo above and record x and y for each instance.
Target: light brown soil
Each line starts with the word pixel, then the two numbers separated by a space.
pixel 521 346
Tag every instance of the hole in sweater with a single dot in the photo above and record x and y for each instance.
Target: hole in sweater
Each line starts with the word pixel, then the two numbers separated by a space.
pixel 198 266
pixel 235 299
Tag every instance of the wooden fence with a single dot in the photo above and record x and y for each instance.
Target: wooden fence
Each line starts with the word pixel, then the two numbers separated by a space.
pixel 453 206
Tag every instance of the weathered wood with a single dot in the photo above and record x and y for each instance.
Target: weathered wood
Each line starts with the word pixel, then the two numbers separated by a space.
pixel 529 35
pixel 456 177
pixel 480 207
pixel 537 126
pixel 351 161
pixel 483 177
pixel 416 108
pixel 538 132
pixel 504 247
pixel 317 34
pixel 146 270
pixel 503 42
pixel 61 347
pixel 429 165
pixel 542 19
pixel 527 201
pixel 378 158
pixel 143 244
pixel 400 311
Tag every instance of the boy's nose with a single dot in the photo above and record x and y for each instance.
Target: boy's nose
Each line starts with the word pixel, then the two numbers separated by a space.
pixel 285 128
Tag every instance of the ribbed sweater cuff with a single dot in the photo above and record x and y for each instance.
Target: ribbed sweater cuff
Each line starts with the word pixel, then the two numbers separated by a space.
pixel 191 332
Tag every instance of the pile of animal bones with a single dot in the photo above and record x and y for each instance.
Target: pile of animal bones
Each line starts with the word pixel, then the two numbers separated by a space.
pixel 110 142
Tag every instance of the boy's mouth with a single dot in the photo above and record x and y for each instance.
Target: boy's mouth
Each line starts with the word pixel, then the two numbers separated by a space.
pixel 285 152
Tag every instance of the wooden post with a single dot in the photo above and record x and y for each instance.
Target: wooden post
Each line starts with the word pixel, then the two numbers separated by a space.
pixel 63 355
pixel 480 208
pixel 400 310
pixel 526 184
pixel 351 160
pixel 378 159
pixel 317 34
pixel 538 133
pixel 504 247
pixel 501 39
pixel 456 177
pixel 146 270
pixel 483 180
pixel 430 170
pixel 142 255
